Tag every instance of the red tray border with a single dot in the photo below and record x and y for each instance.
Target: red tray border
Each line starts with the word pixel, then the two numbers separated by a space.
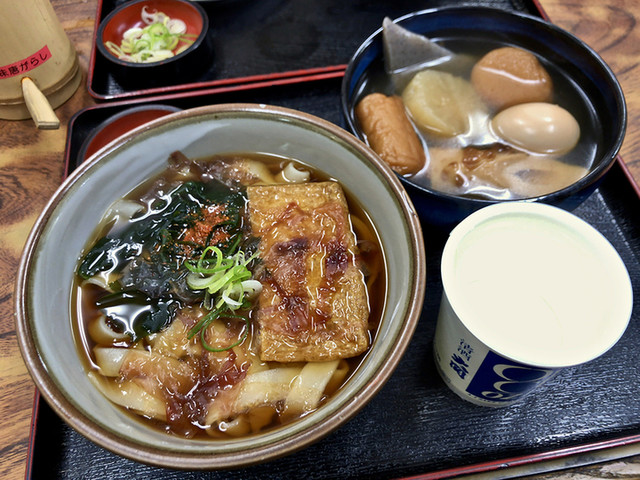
pixel 258 81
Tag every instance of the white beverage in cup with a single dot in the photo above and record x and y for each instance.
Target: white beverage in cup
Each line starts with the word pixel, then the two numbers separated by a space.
pixel 529 289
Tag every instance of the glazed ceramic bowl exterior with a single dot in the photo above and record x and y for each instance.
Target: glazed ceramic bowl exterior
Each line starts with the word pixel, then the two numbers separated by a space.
pixel 576 60
pixel 43 292
pixel 192 60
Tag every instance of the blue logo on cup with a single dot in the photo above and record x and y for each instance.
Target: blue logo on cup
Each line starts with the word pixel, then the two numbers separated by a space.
pixel 501 380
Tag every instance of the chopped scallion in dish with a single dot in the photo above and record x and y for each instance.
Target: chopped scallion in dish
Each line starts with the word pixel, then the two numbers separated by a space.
pixel 161 38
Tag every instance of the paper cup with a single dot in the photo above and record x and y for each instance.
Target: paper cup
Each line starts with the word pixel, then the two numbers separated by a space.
pixel 529 289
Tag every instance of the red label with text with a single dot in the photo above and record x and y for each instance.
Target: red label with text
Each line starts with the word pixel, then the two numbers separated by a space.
pixel 22 66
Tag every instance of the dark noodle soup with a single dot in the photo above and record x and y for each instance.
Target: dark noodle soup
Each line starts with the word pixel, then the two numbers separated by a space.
pixel 228 295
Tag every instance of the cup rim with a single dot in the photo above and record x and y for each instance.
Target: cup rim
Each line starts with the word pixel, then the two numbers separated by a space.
pixel 593 240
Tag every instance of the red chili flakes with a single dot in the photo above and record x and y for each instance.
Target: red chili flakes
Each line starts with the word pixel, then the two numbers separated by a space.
pixel 210 217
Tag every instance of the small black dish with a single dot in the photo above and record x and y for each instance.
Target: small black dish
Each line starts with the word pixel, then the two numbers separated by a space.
pixel 180 68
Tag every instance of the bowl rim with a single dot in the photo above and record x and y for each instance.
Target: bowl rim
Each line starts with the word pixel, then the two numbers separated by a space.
pixel 590 178
pixel 197 460
pixel 196 43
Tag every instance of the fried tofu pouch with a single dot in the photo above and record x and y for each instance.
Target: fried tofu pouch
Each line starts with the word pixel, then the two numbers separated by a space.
pixel 390 133
pixel 314 304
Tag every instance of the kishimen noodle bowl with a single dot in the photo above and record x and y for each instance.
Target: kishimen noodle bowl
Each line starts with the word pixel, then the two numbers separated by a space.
pixel 228 295
pixel 228 272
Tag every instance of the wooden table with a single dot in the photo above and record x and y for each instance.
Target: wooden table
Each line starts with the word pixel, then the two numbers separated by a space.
pixel 31 167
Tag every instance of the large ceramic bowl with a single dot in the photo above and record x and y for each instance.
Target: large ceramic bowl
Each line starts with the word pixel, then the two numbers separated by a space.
pixel 586 71
pixel 51 255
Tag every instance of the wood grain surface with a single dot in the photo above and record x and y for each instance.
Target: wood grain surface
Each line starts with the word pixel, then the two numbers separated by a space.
pixel 31 168
pixel 611 28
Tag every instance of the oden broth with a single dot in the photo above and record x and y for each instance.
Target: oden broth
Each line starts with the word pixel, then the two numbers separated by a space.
pixel 468 51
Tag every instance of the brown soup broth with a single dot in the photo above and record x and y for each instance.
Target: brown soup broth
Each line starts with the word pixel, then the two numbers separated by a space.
pixel 84 295
pixel 567 94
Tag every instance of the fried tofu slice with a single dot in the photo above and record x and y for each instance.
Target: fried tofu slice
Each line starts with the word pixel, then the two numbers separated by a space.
pixel 314 304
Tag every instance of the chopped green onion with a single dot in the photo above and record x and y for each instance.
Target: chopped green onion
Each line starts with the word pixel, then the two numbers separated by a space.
pixel 156 41
pixel 227 285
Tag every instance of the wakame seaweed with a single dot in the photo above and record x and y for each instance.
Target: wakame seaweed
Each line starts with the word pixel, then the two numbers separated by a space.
pixel 137 315
pixel 159 230
pixel 150 254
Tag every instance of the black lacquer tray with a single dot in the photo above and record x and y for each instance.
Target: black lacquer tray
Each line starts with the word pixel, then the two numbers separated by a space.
pixel 415 426
pixel 270 41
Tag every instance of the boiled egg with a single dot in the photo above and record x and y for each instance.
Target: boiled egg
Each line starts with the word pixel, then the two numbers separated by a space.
pixel 537 127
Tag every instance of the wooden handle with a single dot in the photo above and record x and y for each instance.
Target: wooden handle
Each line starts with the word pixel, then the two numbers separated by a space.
pixel 38 106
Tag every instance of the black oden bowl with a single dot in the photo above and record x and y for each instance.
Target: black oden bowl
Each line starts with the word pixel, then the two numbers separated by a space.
pixel 575 60
pixel 179 68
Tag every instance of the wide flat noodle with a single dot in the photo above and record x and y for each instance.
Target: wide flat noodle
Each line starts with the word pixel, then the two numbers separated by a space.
pixel 309 386
pixel 262 388
pixel 266 387
pixel 301 388
pixel 131 395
